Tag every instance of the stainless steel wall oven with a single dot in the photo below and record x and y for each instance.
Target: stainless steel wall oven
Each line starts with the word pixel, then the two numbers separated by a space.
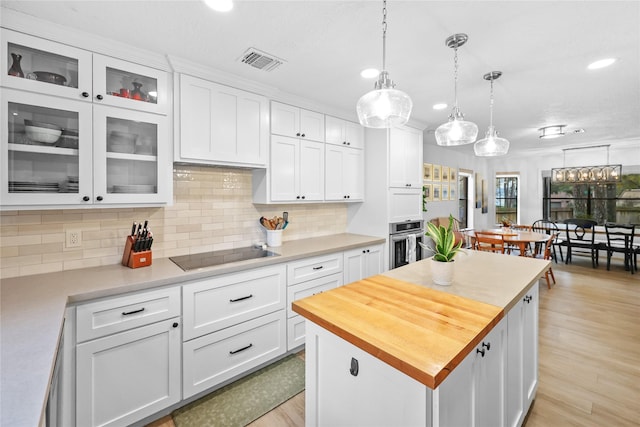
pixel 404 242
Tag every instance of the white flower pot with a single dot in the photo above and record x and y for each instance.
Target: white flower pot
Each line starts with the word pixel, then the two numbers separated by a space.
pixel 442 272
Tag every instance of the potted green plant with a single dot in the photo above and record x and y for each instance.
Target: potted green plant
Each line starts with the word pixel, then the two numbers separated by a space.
pixel 444 250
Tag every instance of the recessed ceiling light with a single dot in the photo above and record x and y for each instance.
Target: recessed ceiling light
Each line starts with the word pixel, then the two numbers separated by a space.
pixel 219 5
pixel 370 73
pixel 601 63
pixel 439 106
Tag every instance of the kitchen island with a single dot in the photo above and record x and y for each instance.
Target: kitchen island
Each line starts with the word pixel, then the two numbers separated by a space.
pixel 395 349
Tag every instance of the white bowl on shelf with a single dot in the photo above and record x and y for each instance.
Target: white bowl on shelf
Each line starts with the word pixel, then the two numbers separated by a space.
pixel 43 135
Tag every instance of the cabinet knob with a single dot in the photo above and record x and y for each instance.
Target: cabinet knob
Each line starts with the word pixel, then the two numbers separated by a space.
pixel 297 197
pixel 354 368
pixel 368 251
pixel 99 97
pixel 99 198
pixel 364 252
pixel 86 198
pixel 348 143
pixel 487 345
pixel 175 324
pixel 302 197
pixel 348 197
pixel 298 134
pixel 303 135
pixel 85 94
pixel 481 351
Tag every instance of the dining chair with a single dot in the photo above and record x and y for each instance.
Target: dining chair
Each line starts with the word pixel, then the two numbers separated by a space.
pixel 489 242
pixel 620 240
pixel 549 227
pixel 581 239
pixel 545 254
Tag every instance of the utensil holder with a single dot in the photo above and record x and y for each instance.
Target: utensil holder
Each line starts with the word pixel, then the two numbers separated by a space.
pixel 274 238
pixel 135 259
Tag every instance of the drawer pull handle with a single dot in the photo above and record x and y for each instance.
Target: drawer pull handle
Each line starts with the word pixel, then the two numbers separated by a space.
pixel 241 298
pixel 318 268
pixel 241 349
pixel 126 313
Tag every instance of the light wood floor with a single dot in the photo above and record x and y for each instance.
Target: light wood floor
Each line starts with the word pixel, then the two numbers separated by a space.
pixel 589 358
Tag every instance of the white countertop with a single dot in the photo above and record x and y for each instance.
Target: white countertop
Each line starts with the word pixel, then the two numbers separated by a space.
pixel 32 312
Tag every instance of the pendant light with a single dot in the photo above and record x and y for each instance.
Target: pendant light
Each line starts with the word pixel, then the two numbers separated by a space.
pixel 457 131
pixel 492 144
pixel 385 106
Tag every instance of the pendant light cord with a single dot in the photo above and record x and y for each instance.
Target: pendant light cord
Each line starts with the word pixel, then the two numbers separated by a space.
pixel 491 105
pixel 455 77
pixel 384 35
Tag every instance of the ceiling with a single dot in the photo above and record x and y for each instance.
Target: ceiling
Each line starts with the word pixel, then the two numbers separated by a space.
pixel 542 48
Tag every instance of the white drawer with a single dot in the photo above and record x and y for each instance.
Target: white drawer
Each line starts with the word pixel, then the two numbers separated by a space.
pixel 217 357
pixel 105 317
pixel 311 287
pixel 295 332
pixel 223 301
pixel 310 268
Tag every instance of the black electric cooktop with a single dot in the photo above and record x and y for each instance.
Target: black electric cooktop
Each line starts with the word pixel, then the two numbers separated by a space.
pixel 209 259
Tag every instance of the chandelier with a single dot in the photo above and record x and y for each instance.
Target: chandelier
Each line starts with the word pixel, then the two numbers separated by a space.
pixel 605 174
pixel 385 106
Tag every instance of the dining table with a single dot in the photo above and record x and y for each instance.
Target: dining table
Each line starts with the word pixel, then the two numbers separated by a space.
pixel 520 238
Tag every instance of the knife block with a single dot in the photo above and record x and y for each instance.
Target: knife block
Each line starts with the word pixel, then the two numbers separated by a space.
pixel 135 259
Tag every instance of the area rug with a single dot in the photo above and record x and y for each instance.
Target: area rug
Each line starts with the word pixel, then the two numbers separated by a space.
pixel 247 399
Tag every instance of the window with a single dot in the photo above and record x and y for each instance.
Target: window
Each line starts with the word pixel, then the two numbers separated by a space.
pixel 615 202
pixel 507 198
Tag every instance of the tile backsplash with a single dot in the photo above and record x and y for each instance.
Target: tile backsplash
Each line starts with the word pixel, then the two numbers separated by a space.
pixel 212 210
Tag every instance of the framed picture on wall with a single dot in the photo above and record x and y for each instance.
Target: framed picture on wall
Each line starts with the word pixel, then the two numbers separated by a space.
pixel 453 175
pixel 436 192
pixel 427 190
pixel 445 173
pixel 478 191
pixel 427 171
pixel 436 173
pixel 453 191
pixel 444 195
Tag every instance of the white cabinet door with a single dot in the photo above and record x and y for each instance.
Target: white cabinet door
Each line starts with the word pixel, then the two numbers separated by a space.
pixel 311 287
pixel 405 158
pixel 454 396
pixel 285 168
pixel 354 134
pixel 375 260
pixel 311 171
pixel 124 84
pixel 363 262
pixel 489 379
pixel 131 157
pixel 344 173
pixel 221 125
pixel 514 398
pixel 125 377
pixel 373 395
pixel 405 204
pixel 530 345
pixel 343 132
pixel 311 125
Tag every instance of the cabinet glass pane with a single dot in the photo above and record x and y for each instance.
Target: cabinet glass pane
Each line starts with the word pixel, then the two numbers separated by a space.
pixel 130 85
pixel 43 149
pixel 47 67
pixel 132 163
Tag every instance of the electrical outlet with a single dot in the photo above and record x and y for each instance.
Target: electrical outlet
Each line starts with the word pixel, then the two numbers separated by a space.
pixel 74 239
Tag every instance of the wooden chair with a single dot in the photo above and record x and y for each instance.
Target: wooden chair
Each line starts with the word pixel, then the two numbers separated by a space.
pixel 489 242
pixel 620 240
pixel 545 254
pixel 550 227
pixel 581 239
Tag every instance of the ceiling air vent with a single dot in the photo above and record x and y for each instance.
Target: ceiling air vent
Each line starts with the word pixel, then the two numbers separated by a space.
pixel 261 60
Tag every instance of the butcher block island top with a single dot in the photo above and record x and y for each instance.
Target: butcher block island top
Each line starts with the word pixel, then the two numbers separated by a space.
pixel 419 328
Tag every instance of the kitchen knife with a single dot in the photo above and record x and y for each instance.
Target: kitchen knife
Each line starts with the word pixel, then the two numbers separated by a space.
pixel 133 229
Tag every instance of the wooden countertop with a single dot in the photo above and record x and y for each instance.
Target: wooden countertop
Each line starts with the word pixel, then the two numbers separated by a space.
pixel 32 310
pixel 422 329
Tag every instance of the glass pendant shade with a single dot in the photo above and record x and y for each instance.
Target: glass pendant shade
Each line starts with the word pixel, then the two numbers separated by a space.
pixel 457 131
pixel 491 145
pixel 384 107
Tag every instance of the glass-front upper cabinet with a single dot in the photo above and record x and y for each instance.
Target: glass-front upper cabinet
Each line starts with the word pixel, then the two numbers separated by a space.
pixel 43 66
pixel 131 156
pixel 124 84
pixel 46 150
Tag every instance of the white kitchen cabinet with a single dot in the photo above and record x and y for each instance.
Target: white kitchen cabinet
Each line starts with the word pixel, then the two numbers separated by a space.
pixel 522 357
pixel 404 204
pixel 374 395
pixel 405 158
pixel 110 149
pixel 344 173
pixel 363 262
pixel 296 169
pixel 287 120
pixel 311 287
pixel 221 125
pixel 343 132
pixel 214 358
pixel 125 377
